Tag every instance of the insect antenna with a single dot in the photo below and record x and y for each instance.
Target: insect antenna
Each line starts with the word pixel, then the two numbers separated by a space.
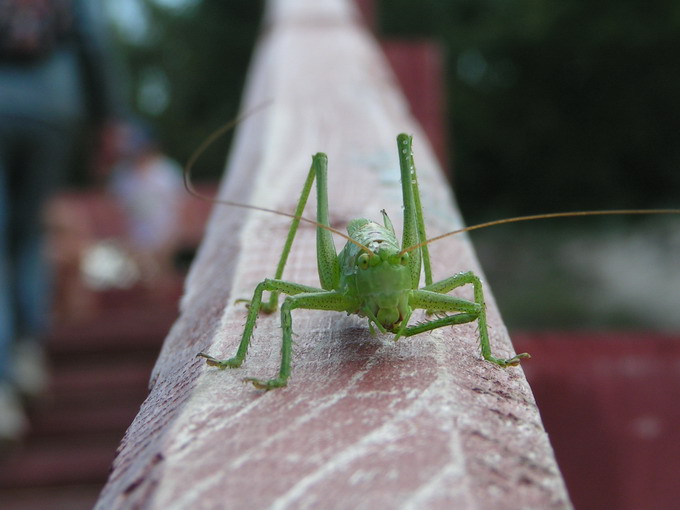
pixel 533 217
pixel 188 185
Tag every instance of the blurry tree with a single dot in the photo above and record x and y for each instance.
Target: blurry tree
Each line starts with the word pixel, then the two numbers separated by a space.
pixel 556 105
pixel 187 62
pixel 564 105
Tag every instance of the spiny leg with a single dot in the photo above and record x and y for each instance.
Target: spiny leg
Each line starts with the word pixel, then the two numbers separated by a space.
pixel 321 300
pixel 414 224
pixel 272 304
pixel 328 267
pixel 255 305
pixel 433 297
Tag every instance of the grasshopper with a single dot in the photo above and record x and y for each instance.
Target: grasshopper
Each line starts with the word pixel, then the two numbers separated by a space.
pixel 374 276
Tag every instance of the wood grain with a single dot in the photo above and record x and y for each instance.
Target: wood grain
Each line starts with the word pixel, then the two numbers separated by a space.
pixel 364 422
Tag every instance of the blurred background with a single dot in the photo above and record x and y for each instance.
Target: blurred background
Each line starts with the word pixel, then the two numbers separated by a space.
pixel 559 107
pixel 545 107
pixel 534 106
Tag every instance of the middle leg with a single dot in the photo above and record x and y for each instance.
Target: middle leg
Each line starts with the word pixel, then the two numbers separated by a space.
pixel 434 298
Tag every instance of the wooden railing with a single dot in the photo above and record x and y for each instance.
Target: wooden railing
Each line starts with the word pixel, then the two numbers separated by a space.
pixel 364 422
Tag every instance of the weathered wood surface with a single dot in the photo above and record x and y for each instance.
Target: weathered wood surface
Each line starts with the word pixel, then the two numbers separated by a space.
pixel 365 422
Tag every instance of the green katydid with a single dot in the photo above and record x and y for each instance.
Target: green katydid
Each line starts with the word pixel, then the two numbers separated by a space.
pixel 374 276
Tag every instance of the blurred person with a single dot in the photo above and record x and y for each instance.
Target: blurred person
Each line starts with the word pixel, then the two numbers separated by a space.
pixel 54 75
pixel 148 185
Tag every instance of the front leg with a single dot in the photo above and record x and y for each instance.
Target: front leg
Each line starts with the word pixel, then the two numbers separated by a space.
pixel 253 309
pixel 433 297
pixel 320 300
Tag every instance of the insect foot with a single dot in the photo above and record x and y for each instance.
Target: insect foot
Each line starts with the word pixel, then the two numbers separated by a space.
pixel 220 363
pixel 511 362
pixel 271 384
pixel 264 307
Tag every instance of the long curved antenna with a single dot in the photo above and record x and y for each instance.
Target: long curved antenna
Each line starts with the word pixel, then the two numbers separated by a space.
pixel 533 217
pixel 210 140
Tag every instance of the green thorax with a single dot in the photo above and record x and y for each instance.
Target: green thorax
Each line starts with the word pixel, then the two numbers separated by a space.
pixel 380 281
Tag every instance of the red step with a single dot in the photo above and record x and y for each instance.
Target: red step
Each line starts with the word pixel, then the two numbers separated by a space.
pixel 100 372
pixel 610 404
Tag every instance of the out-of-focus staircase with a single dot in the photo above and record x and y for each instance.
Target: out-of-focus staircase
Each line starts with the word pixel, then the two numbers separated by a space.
pixel 100 352
pixel 99 375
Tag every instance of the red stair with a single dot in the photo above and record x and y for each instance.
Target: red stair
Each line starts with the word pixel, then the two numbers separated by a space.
pixel 100 359
pixel 100 371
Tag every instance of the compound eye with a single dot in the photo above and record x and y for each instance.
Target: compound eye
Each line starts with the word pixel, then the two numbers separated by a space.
pixel 404 259
pixel 363 261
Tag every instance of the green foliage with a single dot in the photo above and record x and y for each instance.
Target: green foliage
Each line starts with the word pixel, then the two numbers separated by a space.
pixel 553 105
pixel 556 105
pixel 200 55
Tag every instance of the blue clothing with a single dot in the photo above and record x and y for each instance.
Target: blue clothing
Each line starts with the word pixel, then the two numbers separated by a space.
pixel 43 103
